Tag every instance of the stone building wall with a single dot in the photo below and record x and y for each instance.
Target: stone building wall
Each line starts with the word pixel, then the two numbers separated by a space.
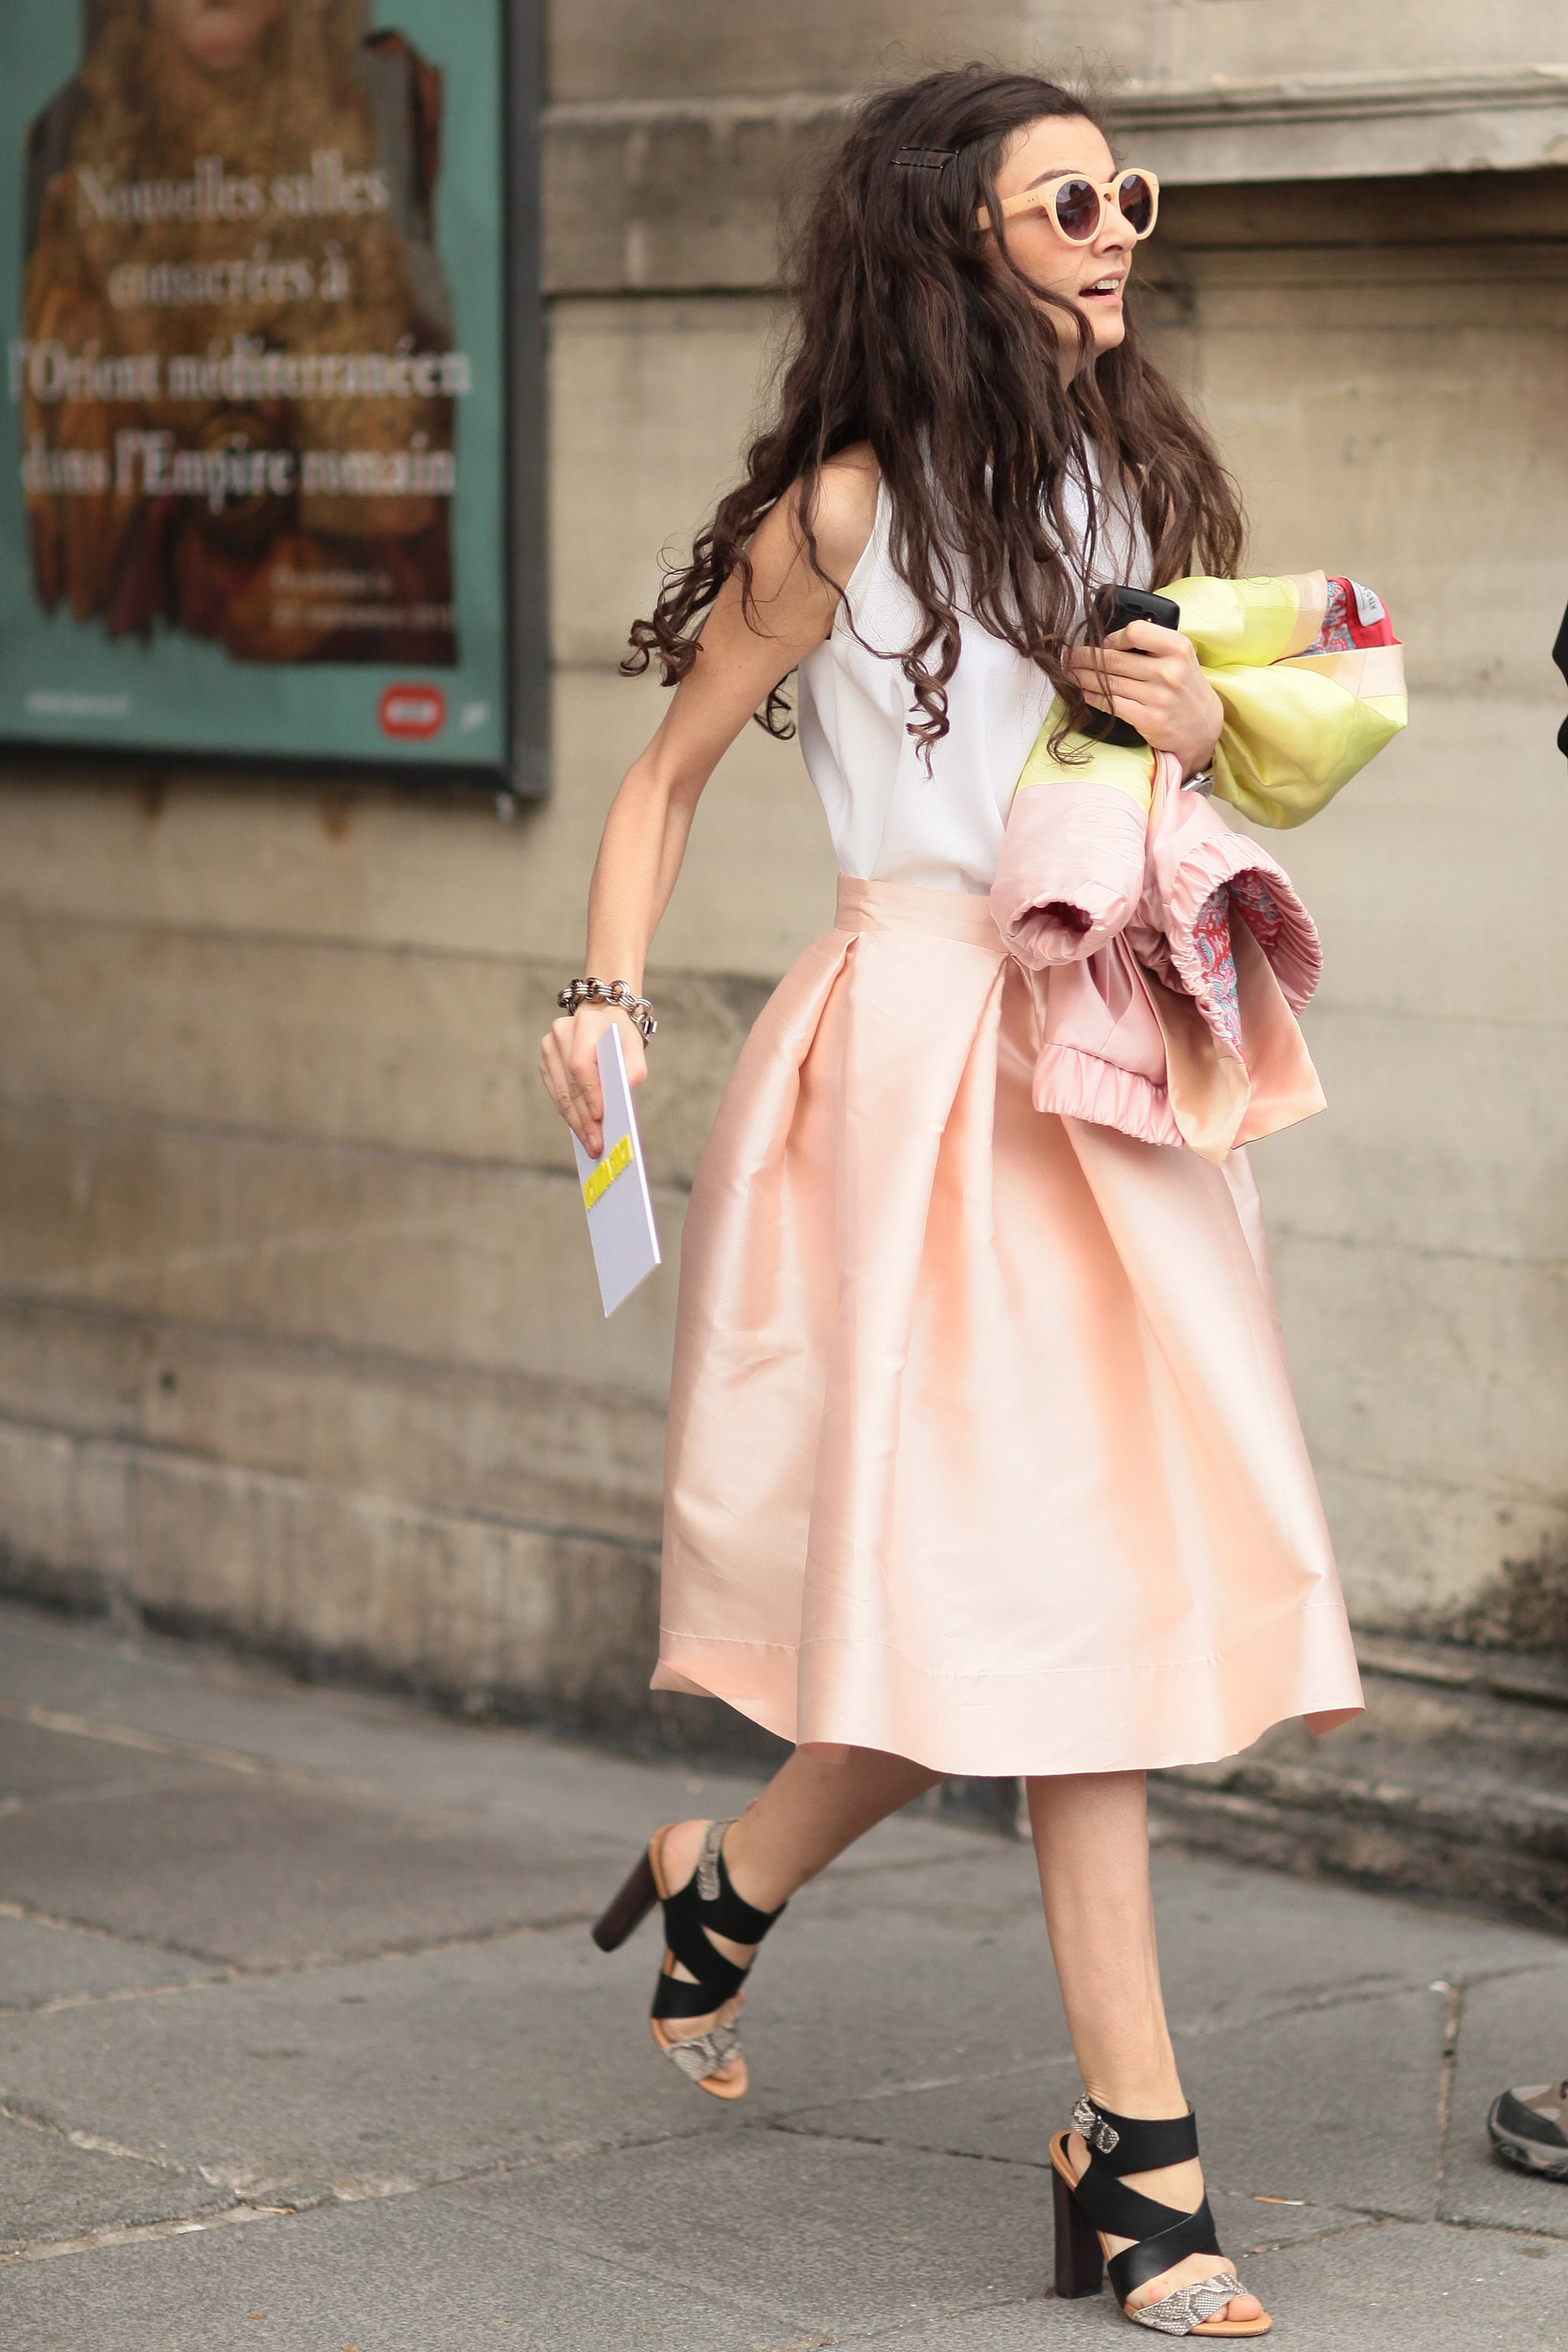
pixel 297 1335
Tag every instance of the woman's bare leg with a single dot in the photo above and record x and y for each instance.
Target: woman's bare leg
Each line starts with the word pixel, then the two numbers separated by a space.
pixel 817 1803
pixel 1091 1843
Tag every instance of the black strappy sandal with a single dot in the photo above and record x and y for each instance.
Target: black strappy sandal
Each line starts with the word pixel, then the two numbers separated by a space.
pixel 1097 2205
pixel 706 1906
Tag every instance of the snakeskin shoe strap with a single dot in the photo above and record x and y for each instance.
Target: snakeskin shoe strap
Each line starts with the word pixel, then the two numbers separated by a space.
pixel 708 1860
pixel 1186 2308
pixel 702 2054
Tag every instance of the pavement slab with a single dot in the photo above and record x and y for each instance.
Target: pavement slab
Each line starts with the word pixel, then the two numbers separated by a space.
pixel 400 2274
pixel 266 1946
pixel 43 1963
pixel 1338 2105
pixel 208 1700
pixel 856 2238
pixel 1238 1943
pixel 263 1872
pixel 347 2081
pixel 1414 2288
pixel 203 1700
pixel 39 1762
pixel 1382 2287
pixel 51 2188
pixel 861 1989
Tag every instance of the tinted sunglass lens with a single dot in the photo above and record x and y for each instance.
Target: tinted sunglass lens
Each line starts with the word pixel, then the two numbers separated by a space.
pixel 1136 198
pixel 1078 210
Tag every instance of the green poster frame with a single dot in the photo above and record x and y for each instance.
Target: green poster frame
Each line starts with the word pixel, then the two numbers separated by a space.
pixel 194 704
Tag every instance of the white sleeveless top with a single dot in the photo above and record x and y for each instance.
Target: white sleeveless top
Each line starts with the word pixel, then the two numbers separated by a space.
pixel 889 821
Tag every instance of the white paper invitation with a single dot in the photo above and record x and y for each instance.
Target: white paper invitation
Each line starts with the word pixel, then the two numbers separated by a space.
pixel 614 1187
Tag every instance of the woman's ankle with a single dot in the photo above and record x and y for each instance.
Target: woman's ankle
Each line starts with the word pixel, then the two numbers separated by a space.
pixel 756 1875
pixel 1148 2098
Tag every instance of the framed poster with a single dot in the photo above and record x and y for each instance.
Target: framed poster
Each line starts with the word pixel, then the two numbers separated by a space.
pixel 271 460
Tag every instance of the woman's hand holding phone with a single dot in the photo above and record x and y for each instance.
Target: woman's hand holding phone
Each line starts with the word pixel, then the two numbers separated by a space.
pixel 1156 686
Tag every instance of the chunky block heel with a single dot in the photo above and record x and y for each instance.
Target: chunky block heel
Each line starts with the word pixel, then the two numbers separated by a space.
pixel 628 1909
pixel 1080 2265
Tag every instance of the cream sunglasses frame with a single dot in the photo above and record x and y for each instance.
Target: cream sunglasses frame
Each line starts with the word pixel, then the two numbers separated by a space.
pixel 1041 198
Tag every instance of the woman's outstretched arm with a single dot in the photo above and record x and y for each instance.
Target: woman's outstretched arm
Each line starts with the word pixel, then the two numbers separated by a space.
pixel 740 659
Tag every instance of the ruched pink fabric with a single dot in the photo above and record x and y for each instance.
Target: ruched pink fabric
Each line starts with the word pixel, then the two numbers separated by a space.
pixel 1147 1027
pixel 981 1446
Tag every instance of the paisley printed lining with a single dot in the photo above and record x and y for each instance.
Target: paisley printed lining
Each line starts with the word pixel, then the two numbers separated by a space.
pixel 1251 896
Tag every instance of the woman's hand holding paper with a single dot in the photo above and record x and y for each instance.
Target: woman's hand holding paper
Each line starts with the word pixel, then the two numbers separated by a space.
pixel 568 1064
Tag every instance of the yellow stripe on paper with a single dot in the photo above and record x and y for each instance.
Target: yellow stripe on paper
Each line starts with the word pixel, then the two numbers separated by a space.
pixel 614 1163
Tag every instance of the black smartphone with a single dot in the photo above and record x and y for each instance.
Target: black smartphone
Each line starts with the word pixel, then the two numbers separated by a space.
pixel 1113 608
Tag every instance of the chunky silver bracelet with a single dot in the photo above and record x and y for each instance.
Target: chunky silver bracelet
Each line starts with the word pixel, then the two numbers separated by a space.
pixel 637 1009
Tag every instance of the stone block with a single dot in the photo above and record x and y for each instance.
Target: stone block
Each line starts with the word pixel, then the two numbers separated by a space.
pixel 661 191
pixel 648 200
pixel 1391 1164
pixel 264 1871
pixel 1451 835
pixel 561 1625
pixel 620 52
pixel 186 850
pixel 1436 222
pixel 413 1051
pixel 451 1437
pixel 418 1051
pixel 64 1505
pixel 348 2079
pixel 1445 1367
pixel 1203 42
pixel 651 404
pixel 423 1258
pixel 43 1763
pixel 1349 414
pixel 405 875
pixel 1414 1540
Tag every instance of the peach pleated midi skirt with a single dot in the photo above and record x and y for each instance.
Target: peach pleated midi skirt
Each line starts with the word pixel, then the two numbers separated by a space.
pixel 982 1444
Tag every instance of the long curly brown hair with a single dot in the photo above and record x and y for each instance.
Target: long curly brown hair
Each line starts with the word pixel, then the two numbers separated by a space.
pixel 909 338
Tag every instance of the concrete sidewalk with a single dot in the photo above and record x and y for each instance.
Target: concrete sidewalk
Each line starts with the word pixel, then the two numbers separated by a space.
pixel 303 2046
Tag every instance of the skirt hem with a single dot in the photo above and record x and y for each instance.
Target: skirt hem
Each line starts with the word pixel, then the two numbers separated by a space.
pixel 1115 1719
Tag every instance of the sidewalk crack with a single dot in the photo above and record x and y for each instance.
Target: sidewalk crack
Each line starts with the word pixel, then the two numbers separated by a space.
pixel 21 2110
pixel 1453 2012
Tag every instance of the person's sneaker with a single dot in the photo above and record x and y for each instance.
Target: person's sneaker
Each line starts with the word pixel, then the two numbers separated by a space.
pixel 1529 2127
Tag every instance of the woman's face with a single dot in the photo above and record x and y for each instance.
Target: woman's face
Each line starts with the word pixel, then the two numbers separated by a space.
pixel 217 36
pixel 1092 276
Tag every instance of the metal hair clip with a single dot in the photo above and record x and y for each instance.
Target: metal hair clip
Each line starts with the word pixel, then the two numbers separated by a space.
pixel 922 159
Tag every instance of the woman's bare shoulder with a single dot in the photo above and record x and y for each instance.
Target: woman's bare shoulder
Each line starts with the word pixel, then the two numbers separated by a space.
pixel 844 513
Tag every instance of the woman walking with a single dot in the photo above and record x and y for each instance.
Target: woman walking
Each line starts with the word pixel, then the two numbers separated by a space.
pixel 982 1457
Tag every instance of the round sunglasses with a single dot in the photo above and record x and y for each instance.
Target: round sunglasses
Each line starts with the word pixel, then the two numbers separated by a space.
pixel 1075 205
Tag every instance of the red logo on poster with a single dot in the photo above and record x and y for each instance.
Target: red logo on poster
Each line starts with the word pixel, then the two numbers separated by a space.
pixel 412 713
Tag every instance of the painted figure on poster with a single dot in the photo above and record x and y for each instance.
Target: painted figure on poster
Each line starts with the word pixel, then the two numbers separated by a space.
pixel 235 369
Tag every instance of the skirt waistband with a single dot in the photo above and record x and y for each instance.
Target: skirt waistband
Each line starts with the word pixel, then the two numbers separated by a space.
pixel 961 914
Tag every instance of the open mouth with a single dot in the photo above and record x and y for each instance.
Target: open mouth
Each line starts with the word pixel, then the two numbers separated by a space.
pixel 1103 289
